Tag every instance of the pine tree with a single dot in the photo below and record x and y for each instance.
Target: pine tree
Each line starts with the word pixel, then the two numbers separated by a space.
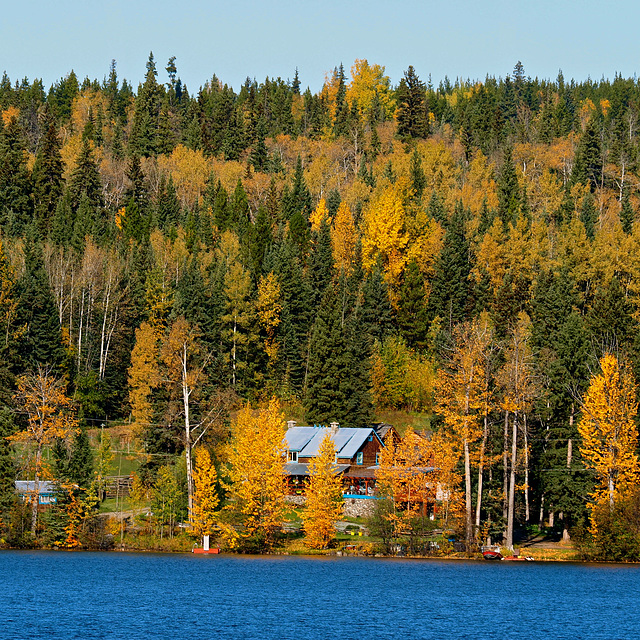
pixel 411 114
pixel 587 168
pixel 41 342
pixel 412 311
pixel 85 179
pixel 509 196
pixel 589 215
pixel 143 140
pixel 341 119
pixel 15 181
pixel 47 178
pixel 627 214
pixel 418 179
pixel 450 286
pixel 321 265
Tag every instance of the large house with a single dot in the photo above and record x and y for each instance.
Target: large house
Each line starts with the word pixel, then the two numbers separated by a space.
pixel 357 456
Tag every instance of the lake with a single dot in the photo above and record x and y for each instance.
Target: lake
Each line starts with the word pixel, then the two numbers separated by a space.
pixel 83 595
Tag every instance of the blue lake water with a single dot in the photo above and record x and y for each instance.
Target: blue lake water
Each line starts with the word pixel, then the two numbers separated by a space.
pixel 58 595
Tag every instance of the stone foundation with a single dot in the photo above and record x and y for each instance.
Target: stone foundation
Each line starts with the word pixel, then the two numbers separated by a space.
pixel 353 507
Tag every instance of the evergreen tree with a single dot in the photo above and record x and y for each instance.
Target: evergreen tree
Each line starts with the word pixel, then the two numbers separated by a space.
pixel 47 178
pixel 376 314
pixel 85 179
pixel 412 309
pixel 418 179
pixel 589 215
pixel 587 167
pixel 143 140
pixel 298 199
pixel 320 262
pixel 509 196
pixel 41 342
pixel 15 181
pixel 411 114
pixel 627 214
pixel 341 119
pixel 337 386
pixel 7 467
pixel 450 286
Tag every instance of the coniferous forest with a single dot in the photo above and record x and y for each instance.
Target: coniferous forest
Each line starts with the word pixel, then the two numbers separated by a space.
pixel 466 254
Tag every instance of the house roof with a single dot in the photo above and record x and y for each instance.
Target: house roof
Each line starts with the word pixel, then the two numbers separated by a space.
pixel 302 468
pixel 306 440
pixel 27 486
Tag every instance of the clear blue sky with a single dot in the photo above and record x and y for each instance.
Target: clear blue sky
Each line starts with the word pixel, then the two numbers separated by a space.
pixel 239 38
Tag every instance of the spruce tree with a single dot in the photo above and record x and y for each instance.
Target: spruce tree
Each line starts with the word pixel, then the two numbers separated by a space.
pixel 41 342
pixel 450 286
pixel 321 264
pixel 412 114
pixel 15 182
pixel 509 196
pixel 412 310
pixel 85 179
pixel 47 178
pixel 587 167
pixel 627 214
pixel 589 215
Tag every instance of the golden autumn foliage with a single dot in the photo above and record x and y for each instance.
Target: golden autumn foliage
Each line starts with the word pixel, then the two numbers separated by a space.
pixel 369 86
pixel 143 374
pixel 343 238
pixel 609 432
pixel 418 475
pixel 190 171
pixel 269 308
pixel 385 235
pixel 256 482
pixel 324 497
pixel 204 513
pixel 50 415
pixel 319 214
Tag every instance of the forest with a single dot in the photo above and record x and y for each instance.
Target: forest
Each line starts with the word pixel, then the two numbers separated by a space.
pixel 464 255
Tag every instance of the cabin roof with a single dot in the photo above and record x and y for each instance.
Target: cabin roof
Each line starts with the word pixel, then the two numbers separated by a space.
pixel 28 486
pixel 302 468
pixel 306 440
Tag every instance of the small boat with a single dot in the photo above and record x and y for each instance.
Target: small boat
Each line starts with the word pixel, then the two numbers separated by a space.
pixel 492 554
pixel 519 558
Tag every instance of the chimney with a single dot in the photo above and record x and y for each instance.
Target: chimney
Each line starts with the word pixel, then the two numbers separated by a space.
pixel 291 424
pixel 334 426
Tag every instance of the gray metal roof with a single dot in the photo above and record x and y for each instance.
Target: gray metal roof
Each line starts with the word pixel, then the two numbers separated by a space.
pixel 297 437
pixel 26 486
pixel 306 440
pixel 358 438
pixel 302 468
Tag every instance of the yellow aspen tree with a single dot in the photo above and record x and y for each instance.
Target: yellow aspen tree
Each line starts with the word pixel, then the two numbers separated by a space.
pixel 460 398
pixel 143 374
pixel 184 377
pixel 343 238
pixel 256 480
pixel 408 476
pixel 519 388
pixel 269 308
pixel 608 430
pixel 204 511
pixel 239 316
pixel 324 497
pixel 50 415
pixel 385 234
pixel 319 214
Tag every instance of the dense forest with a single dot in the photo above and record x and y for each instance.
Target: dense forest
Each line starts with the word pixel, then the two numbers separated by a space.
pixel 170 255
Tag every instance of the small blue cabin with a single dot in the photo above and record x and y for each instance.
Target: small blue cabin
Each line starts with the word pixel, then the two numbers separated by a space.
pixel 46 491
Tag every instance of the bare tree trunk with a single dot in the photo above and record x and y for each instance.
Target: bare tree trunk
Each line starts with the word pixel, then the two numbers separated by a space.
pixel 526 470
pixel 186 392
pixel 468 505
pixel 480 472
pixel 505 464
pixel 512 482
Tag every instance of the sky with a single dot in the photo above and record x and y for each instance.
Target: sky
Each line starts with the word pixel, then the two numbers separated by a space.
pixel 238 38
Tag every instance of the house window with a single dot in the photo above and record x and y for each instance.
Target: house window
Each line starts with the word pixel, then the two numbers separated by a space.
pixel 293 456
pixel 359 457
pixel 377 457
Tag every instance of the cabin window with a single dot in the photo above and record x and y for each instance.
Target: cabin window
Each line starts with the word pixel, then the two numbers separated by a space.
pixel 293 456
pixel 370 438
pixel 377 457
pixel 359 457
